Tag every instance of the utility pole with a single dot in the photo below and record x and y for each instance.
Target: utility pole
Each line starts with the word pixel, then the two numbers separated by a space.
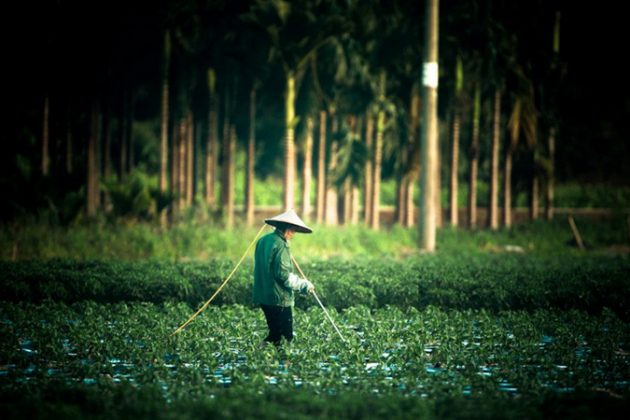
pixel 427 222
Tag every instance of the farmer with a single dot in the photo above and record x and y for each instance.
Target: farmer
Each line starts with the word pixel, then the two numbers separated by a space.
pixel 274 280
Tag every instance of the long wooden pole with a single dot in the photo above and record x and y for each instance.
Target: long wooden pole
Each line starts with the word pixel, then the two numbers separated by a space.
pixel 430 154
pixel 576 233
pixel 319 301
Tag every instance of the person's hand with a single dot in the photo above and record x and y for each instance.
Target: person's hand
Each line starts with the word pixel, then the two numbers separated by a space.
pixel 309 286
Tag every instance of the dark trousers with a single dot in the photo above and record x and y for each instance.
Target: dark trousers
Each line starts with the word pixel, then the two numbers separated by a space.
pixel 280 323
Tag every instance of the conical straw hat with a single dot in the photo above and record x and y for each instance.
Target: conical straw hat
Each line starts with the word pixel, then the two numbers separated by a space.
pixel 291 218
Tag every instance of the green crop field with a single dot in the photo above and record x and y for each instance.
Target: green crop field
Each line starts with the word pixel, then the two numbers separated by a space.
pixel 476 330
pixel 514 323
pixel 400 362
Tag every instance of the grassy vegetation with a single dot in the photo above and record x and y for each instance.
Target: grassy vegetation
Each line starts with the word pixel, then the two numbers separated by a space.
pixel 199 240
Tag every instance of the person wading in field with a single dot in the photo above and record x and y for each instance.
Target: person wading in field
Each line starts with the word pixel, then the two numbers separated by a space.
pixel 274 279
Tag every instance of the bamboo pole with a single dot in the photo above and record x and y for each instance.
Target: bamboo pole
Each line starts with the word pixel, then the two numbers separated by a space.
pixel 319 301
pixel 576 233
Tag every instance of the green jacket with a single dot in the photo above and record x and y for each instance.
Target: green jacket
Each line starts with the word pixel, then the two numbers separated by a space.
pixel 274 280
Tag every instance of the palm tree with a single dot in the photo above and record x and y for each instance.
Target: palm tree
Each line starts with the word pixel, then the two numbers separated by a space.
pixel 212 142
pixel 181 153
pixel 190 157
pixel 370 53
pixel 459 87
pixel 500 52
pixel 406 31
pixel 414 157
pixel 229 150
pixel 321 168
pixel 351 157
pixel 467 42
pixel 331 216
pixel 514 125
pixel 343 94
pixel 378 154
pixel 474 158
pixel 556 74
pixel 307 168
pixel 296 31
pixel 289 142
pixel 92 187
pixel 251 157
pixel 493 201
pixel 368 177
pixel 165 113
pixel 523 118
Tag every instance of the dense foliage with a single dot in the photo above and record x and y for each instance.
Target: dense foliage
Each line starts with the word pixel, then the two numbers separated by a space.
pixel 493 282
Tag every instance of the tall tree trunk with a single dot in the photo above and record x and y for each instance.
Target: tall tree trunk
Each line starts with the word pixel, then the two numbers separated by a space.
pixel 551 140
pixel 402 180
pixel 507 188
pixel 289 143
pixel 190 158
pixel 332 214
pixel 251 159
pixel 307 169
pixel 549 186
pixel 347 202
pixel 212 147
pixel 413 165
pixel 409 205
pixel 514 124
pixel 474 159
pixel 353 127
pixel 354 214
pixel 181 178
pixel 438 184
pixel 401 189
pixel 321 168
pixel 45 137
pixel 494 165
pixel 535 191
pixel 164 114
pixel 175 169
pixel 92 187
pixel 427 222
pixel 228 177
pixel 401 198
pixel 106 153
pixel 453 196
pixel 454 185
pixel 378 155
pixel 199 157
pixel 227 122
pixel 369 176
